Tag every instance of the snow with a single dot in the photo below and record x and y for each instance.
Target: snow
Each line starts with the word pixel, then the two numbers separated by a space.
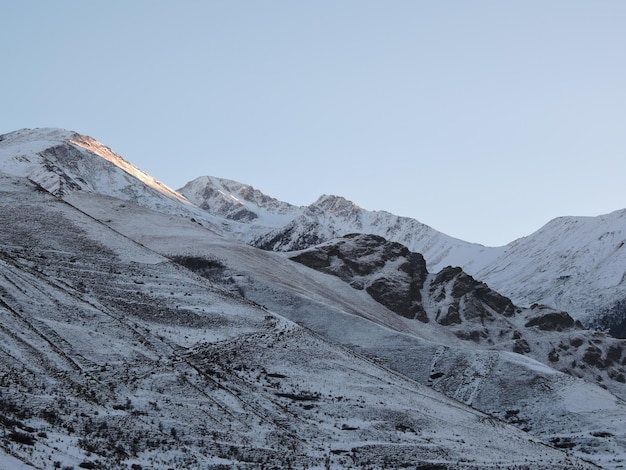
pixel 270 213
pixel 97 305
pixel 570 264
pixel 11 463
pixel 333 309
pixel 529 363
pixel 573 263
pixel 105 152
pixel 581 398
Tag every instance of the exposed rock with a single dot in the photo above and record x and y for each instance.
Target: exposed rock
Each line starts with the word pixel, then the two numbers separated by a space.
pixel 479 301
pixel 451 317
pixel 552 321
pixel 576 341
pixel 614 353
pixel 593 356
pixel 388 271
pixel 275 241
pixel 521 346
pixel 553 356
pixel 472 335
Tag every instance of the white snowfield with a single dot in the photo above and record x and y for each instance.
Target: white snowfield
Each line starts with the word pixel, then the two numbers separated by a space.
pixel 114 355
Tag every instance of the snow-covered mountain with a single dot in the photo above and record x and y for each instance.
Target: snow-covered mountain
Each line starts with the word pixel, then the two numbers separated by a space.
pixel 279 226
pixel 577 264
pixel 456 305
pixel 114 356
pixel 478 368
pixel 137 329
pixel 65 162
pixel 62 161
pixel 236 201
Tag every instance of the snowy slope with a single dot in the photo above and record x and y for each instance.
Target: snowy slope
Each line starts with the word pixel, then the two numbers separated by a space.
pixel 575 264
pixel 114 356
pixel 482 372
pixel 142 346
pixel 63 162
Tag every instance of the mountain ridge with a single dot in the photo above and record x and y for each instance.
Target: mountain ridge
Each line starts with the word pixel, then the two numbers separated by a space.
pixel 540 268
pixel 114 356
pixel 153 317
pixel 426 352
pixel 537 265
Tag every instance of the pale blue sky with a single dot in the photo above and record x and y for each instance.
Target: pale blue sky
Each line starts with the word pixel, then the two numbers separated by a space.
pixel 483 119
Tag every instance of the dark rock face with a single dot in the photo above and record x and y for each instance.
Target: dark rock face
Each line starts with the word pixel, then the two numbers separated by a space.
pixel 69 158
pixel 467 295
pixel 521 346
pixel 451 317
pixel 388 271
pixel 289 237
pixel 396 277
pixel 385 291
pixel 611 319
pixel 551 321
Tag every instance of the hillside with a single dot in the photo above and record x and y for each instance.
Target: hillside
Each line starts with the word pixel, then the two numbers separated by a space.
pixel 574 264
pixel 139 329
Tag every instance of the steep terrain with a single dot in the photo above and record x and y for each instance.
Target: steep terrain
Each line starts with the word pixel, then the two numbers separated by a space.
pixel 137 330
pixel 479 368
pixel 468 309
pixel 238 202
pixel 113 356
pixel 576 264
pixel 63 162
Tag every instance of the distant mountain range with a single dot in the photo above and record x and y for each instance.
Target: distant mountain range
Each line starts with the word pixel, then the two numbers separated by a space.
pixel 217 327
pixel 577 264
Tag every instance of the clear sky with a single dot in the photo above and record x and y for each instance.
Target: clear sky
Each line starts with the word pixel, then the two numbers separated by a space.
pixel 482 119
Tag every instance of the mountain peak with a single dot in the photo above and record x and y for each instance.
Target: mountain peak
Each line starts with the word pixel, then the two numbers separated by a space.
pixel 38 133
pixel 27 141
pixel 236 201
pixel 63 161
pixel 332 202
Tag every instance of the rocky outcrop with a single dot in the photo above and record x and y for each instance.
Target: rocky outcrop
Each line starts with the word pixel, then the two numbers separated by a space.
pixel 460 292
pixel 466 309
pixel 551 320
pixel 387 271
pixel 396 277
